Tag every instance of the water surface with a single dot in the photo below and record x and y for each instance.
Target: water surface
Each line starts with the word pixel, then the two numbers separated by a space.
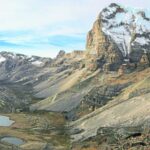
pixel 13 140
pixel 5 121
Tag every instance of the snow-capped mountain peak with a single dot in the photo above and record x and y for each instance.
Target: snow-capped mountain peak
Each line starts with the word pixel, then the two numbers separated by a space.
pixel 128 28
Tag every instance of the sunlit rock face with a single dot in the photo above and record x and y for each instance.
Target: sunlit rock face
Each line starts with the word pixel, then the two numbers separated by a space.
pixel 118 34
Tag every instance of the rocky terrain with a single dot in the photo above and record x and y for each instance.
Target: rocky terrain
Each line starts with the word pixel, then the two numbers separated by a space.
pixel 102 93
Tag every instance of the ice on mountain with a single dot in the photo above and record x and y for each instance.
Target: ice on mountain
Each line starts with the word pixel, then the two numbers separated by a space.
pixel 142 40
pixel 37 63
pixel 123 25
pixel 2 59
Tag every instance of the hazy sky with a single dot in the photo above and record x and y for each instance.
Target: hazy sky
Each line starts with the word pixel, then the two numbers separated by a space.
pixel 43 27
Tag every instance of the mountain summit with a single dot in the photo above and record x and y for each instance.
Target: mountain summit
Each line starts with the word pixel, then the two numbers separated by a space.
pixel 120 34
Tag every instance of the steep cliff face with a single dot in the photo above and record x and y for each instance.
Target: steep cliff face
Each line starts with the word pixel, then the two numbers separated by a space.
pixel 119 35
pixel 101 50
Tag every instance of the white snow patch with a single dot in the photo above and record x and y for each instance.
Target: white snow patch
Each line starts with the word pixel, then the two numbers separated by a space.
pixel 32 59
pixel 121 28
pixel 2 59
pixel 142 40
pixel 37 63
pixel 109 11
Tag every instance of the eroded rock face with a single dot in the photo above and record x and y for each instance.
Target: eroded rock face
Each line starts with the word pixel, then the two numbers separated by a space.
pixel 136 137
pixel 101 49
pixel 75 54
pixel 100 96
pixel 60 54
pixel 118 34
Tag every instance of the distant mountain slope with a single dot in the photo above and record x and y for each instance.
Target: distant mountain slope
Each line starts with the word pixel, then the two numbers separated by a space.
pixel 16 67
pixel 42 77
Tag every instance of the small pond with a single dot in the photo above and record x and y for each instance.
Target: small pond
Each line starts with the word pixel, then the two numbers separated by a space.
pixel 5 121
pixel 13 140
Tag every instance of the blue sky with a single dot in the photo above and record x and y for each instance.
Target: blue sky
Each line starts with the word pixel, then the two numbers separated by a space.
pixel 43 27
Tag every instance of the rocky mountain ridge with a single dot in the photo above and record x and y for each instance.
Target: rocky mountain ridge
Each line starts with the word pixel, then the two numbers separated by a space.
pixel 34 73
pixel 119 35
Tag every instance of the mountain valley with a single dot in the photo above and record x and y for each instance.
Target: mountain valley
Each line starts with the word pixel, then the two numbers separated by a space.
pixel 97 99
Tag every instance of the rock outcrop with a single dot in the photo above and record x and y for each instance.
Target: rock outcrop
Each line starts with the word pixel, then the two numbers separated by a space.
pixel 100 96
pixel 60 54
pixel 118 34
pixel 101 50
